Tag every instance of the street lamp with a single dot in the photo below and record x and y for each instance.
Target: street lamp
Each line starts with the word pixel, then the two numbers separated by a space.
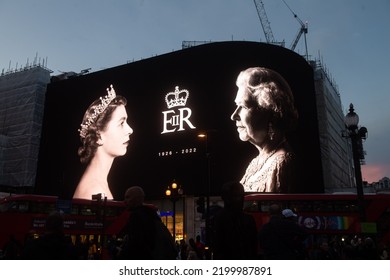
pixel 174 192
pixel 206 136
pixel 357 135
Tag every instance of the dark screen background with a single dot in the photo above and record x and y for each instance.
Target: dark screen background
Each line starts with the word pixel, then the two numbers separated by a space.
pixel 209 73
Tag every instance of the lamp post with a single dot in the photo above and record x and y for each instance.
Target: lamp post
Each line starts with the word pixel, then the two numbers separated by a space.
pixel 174 192
pixel 205 136
pixel 357 135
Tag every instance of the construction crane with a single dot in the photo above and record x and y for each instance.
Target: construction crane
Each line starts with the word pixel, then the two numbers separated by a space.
pixel 303 30
pixel 269 36
pixel 268 31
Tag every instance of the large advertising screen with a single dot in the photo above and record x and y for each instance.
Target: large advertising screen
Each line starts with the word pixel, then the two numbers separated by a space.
pixel 253 103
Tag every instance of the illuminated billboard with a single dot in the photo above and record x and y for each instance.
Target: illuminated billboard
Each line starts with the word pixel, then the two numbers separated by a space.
pixel 173 100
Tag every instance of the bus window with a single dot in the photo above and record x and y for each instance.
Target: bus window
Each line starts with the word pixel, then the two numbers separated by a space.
pixel 9 207
pixel 323 206
pixel 251 206
pixel 264 207
pixel 301 206
pixel 345 206
pixel 87 210
pixel 23 206
pixel 74 210
pixel 111 211
pixel 16 206
pixel 4 207
pixel 42 207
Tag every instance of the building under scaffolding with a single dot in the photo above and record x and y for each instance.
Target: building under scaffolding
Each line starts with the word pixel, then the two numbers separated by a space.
pixel 336 152
pixel 22 98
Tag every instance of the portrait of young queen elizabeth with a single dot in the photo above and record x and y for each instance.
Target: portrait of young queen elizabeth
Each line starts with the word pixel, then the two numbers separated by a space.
pixel 105 135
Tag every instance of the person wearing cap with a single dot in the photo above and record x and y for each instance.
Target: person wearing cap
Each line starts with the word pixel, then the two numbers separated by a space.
pixel 289 214
pixel 282 238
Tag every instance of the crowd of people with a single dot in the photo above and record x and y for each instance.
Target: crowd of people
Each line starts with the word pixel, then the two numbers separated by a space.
pixel 53 244
pixel 234 236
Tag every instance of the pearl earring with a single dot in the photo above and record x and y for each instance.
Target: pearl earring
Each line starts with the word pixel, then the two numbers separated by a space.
pixel 271 132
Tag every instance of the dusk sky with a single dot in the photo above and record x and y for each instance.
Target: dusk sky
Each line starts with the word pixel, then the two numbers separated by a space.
pixel 350 37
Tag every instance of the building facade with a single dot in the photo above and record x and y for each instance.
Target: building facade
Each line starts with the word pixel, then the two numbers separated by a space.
pixel 22 99
pixel 336 151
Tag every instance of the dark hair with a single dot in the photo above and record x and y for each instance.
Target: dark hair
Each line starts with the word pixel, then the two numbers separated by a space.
pixel 275 210
pixel 270 91
pixel 232 194
pixel 232 189
pixel 89 143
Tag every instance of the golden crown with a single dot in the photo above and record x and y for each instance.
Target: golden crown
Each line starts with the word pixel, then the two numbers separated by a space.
pixel 104 102
pixel 177 98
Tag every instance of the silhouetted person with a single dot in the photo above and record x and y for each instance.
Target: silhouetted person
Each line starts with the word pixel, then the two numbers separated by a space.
pixel 145 236
pixel 52 245
pixel 281 238
pixel 234 232
pixel 12 248
pixel 200 247
pixel 327 252
pixel 290 215
pixel 192 252
pixel 368 250
pixel 183 247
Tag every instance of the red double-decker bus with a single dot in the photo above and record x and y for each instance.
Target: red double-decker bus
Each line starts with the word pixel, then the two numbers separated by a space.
pixel 23 216
pixel 329 216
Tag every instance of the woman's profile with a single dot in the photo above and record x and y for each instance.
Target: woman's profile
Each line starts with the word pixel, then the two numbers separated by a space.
pixel 105 135
pixel 264 113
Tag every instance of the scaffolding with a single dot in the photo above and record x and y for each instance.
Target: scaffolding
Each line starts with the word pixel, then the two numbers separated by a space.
pixel 22 98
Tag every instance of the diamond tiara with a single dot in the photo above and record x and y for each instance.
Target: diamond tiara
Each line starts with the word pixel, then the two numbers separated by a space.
pixel 104 102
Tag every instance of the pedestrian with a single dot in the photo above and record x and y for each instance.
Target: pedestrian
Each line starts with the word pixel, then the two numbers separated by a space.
pixel 200 247
pixel 145 237
pixel 289 214
pixel 280 238
pixel 368 250
pixel 192 253
pixel 234 232
pixel 53 244
pixel 12 249
pixel 183 247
